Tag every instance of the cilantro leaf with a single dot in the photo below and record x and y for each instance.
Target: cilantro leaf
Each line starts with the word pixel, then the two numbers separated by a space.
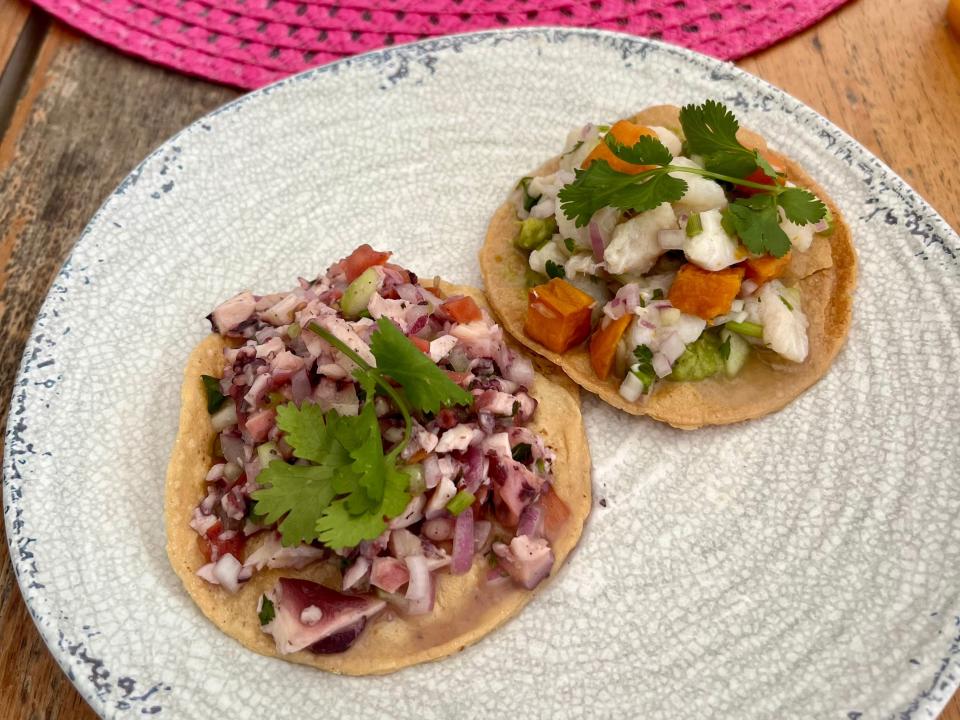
pixel 341 527
pixel 646 151
pixel 554 270
pixel 600 186
pixel 215 398
pixel 764 165
pixel 757 222
pixel 801 206
pixel 711 131
pixel 425 385
pixel 296 493
pixel 306 430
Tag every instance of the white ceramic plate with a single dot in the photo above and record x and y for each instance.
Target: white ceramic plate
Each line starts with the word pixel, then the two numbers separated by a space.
pixel 806 564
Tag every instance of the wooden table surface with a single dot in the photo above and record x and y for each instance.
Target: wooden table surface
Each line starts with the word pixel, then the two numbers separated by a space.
pixel 76 117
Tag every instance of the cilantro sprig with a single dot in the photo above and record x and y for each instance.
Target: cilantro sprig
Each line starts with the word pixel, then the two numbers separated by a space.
pixel 344 486
pixel 711 132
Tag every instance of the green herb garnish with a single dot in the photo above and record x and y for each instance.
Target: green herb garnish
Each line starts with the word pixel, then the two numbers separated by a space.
pixel 555 270
pixel 215 398
pixel 711 131
pixel 350 486
pixel 522 453
pixel 267 612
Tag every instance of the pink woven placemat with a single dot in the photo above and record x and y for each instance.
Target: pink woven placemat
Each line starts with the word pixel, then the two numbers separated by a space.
pixel 249 43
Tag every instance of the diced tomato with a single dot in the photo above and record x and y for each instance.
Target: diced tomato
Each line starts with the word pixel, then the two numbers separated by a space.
pixel 462 309
pixel 214 547
pixel 361 259
pixel 760 177
pixel 626 133
pixel 457 377
pixel 422 345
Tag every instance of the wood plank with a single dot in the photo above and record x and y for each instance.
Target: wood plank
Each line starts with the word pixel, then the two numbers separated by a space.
pixel 886 71
pixel 13 16
pixel 87 117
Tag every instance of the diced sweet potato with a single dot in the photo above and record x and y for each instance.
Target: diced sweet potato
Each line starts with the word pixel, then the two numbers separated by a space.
pixel 704 293
pixel 627 133
pixel 766 267
pixel 558 315
pixel 603 345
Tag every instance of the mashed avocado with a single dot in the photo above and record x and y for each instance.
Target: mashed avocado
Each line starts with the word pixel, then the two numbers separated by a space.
pixel 699 361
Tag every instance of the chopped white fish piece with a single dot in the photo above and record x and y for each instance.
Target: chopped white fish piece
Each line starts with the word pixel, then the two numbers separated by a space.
pixel 581 264
pixel 689 327
pixel 550 251
pixel 578 147
pixel 783 320
pixel 634 247
pixel 801 236
pixel 702 193
pixel 668 138
pixel 712 249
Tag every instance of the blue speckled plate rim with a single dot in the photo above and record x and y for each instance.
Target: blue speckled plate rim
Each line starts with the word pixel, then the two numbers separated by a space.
pixel 919 218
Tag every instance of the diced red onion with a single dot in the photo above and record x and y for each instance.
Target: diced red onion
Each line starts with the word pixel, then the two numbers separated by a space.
pixel 411 514
pixel 481 533
pixel 224 417
pixel 355 573
pixel 403 543
pixel 749 287
pixel 661 366
pixel 206 573
pixel 821 226
pixel 671 239
pixel 252 469
pixel 438 529
pixel 210 501
pixel 431 471
pixel 682 220
pixel 215 473
pixel 232 448
pixel 201 522
pixel 519 369
pixel 300 387
pixel 227 570
pixel 672 347
pixel 463 543
pixel 647 324
pixel 596 241
pixel 624 302
pixel 420 589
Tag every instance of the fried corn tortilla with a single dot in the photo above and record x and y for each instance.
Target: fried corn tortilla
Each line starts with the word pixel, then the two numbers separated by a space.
pixel 826 275
pixel 466 608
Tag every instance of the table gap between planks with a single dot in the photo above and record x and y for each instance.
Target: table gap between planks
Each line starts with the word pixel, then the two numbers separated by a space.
pixel 76 117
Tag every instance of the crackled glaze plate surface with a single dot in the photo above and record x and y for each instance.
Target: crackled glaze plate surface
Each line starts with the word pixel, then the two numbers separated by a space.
pixel 802 565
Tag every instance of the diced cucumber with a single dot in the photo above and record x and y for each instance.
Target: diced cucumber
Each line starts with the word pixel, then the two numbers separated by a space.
pixel 268 452
pixel 739 351
pixel 359 292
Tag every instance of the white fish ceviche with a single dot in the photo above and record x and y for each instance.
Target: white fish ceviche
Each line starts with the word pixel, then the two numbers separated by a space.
pixel 666 249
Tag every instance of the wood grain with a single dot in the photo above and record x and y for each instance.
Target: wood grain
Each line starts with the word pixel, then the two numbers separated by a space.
pixel 86 117
pixel 887 71
pixel 13 16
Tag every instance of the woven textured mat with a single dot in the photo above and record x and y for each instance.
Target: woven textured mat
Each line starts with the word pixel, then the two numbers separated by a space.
pixel 249 43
